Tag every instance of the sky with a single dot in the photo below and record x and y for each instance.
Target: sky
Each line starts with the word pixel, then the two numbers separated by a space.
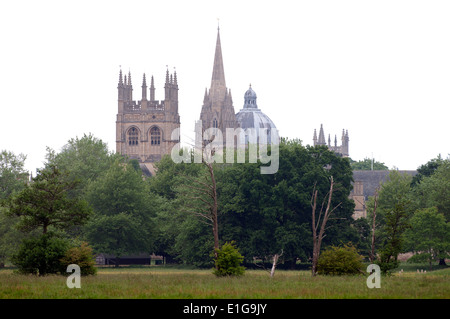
pixel 379 69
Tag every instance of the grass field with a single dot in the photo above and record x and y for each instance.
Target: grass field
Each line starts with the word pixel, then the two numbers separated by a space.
pixel 167 283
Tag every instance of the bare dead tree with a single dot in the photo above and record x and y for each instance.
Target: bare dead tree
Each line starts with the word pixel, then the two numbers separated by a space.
pixel 275 262
pixel 319 233
pixel 200 198
pixel 372 250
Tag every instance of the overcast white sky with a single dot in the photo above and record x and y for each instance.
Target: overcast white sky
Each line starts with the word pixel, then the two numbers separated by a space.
pixel 380 69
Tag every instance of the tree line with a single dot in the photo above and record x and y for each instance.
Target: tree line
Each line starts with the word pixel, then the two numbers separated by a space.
pixel 89 198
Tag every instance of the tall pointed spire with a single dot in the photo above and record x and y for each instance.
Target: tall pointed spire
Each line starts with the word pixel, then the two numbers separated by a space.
pixel 218 86
pixel 321 136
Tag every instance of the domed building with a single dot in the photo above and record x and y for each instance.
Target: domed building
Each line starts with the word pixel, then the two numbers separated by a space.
pixel 251 117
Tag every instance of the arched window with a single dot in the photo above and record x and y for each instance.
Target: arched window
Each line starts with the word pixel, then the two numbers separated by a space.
pixel 215 124
pixel 155 136
pixel 133 136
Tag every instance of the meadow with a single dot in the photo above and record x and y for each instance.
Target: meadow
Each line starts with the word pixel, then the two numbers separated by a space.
pixel 175 283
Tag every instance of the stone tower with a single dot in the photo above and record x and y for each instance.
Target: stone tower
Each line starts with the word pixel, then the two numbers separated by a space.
pixel 217 110
pixel 144 127
pixel 341 149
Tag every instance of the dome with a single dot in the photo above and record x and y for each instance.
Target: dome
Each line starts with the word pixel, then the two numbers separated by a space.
pixel 252 117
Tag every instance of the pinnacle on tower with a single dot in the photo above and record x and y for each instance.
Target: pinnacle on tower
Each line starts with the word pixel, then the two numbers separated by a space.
pixel 144 89
pixel 152 89
pixel 167 75
pixel 120 77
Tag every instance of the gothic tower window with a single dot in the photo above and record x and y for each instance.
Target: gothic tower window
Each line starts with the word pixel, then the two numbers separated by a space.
pixel 155 136
pixel 215 124
pixel 133 136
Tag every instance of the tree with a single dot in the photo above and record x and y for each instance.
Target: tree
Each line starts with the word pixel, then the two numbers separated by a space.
pixel 85 159
pixel 396 223
pixel 41 255
pixel 45 203
pixel 228 261
pixel 118 234
pixel 81 256
pixel 12 173
pixel 343 260
pixel 368 164
pixel 321 221
pixel 201 199
pixel 434 190
pixel 372 255
pixel 123 211
pixel 271 213
pixel 426 170
pixel 13 178
pixel 429 235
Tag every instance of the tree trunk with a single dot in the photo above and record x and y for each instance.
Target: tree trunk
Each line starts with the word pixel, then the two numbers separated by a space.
pixel 372 252
pixel 274 263
pixel 317 238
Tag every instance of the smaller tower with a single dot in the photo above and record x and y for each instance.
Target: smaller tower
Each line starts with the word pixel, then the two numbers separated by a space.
pixel 342 150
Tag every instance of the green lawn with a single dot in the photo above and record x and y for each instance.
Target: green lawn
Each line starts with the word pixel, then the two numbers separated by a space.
pixel 165 282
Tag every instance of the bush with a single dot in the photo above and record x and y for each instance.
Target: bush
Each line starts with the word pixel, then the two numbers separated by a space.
pixel 228 262
pixel 81 256
pixel 340 261
pixel 41 256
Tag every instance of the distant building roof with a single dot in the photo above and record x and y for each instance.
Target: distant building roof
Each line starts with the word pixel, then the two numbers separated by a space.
pixel 372 179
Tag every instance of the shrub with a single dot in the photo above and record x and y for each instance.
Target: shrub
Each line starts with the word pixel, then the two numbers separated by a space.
pixel 81 256
pixel 228 262
pixel 340 261
pixel 41 256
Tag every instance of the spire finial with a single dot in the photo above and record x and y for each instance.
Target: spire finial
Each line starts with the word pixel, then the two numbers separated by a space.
pixel 218 24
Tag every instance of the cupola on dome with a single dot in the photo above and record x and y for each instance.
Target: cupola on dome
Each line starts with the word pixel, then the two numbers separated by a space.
pixel 251 117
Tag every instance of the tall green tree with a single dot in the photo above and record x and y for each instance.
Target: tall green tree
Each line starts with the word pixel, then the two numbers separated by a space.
pixel 13 178
pixel 434 190
pixel 267 214
pixel 426 170
pixel 429 235
pixel 85 159
pixel 393 210
pixel 123 208
pixel 45 203
pixel 13 175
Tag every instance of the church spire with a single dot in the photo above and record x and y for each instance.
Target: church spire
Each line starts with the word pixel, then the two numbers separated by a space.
pixel 321 136
pixel 218 86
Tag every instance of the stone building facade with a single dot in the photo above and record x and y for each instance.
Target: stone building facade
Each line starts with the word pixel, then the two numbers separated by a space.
pixel 144 127
pixel 365 184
